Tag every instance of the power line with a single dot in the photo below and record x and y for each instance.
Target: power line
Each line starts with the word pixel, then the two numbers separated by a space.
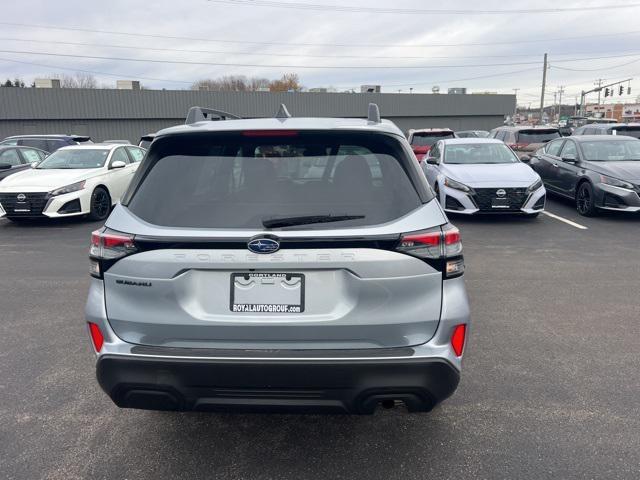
pixel 299 55
pixel 414 11
pixel 501 74
pixel 596 69
pixel 93 72
pixel 233 64
pixel 341 67
pixel 298 44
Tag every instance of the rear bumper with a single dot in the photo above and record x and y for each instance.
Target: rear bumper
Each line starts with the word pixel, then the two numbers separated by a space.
pixel 314 385
pixel 342 380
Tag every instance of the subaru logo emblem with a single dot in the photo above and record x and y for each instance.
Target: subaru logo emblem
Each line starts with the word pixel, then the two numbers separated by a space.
pixel 263 245
pixel 21 197
pixel 501 192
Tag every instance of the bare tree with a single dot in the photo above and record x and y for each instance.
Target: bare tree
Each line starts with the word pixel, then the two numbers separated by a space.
pixel 78 80
pixel 233 83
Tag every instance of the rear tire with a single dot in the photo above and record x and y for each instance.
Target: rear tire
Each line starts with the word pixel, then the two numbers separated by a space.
pixel 100 206
pixel 585 200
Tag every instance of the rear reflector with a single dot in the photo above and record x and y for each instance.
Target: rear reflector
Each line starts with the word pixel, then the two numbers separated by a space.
pixel 457 339
pixel 96 336
pixel 269 133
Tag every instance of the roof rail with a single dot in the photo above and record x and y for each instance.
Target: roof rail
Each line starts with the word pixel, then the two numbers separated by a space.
pixel 283 112
pixel 199 114
pixel 374 113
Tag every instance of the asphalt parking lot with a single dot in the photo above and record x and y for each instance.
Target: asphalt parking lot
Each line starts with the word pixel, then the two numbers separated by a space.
pixel 551 386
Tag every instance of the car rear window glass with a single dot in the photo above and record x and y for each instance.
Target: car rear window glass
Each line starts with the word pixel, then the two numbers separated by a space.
pixel 628 131
pixel 237 180
pixel 611 151
pixel 427 139
pixel 536 136
pixel 41 144
pixel 30 155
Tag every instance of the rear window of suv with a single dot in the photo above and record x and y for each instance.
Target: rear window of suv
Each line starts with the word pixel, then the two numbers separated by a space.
pixel 428 139
pixel 240 179
pixel 630 131
pixel 536 136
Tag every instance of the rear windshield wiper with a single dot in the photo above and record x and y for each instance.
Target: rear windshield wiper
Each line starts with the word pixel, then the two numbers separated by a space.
pixel 307 220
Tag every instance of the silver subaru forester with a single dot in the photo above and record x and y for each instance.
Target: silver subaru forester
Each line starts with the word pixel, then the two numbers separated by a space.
pixel 283 264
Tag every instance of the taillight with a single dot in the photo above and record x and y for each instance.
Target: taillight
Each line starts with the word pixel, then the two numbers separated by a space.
pixel 437 245
pixel 96 336
pixel 457 339
pixel 108 246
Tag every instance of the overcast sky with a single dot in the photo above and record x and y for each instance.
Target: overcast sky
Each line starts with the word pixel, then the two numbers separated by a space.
pixel 361 36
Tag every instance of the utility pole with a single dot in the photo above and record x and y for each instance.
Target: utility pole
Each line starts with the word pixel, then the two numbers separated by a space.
pixel 599 84
pixel 544 85
pixel 515 109
pixel 560 92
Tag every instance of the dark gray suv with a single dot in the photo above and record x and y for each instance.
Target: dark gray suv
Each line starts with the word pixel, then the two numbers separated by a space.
pixel 278 264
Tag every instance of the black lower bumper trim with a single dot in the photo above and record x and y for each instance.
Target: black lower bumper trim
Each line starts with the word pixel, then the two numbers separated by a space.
pixel 345 386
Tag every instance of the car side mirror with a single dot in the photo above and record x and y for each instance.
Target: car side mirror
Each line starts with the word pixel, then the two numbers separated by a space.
pixel 118 164
pixel 34 164
pixel 5 166
pixel 525 158
pixel 569 159
pixel 433 161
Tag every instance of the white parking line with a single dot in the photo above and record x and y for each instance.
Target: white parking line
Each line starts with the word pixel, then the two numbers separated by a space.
pixel 568 222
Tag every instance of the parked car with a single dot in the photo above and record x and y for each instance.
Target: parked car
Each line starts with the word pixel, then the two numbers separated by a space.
pixel 472 134
pixel 119 142
pixel 278 264
pixel 145 140
pixel 16 159
pixel 423 139
pixel 525 139
pixel 47 143
pixel 598 172
pixel 628 129
pixel 482 175
pixel 75 180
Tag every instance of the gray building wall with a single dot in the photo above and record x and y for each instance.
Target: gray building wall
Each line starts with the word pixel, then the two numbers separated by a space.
pixel 122 114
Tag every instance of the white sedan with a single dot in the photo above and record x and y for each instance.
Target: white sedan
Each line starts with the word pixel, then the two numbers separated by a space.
pixel 482 175
pixel 76 180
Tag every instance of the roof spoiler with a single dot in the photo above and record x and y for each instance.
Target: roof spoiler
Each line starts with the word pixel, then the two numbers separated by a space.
pixel 80 138
pixel 373 115
pixel 199 114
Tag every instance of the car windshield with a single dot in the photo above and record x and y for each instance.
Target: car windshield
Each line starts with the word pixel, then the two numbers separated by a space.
pixel 75 159
pixel 611 151
pixel 428 139
pixel 248 179
pixel 475 153
pixel 537 136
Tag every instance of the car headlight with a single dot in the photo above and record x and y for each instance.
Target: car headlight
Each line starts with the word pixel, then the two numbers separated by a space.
pixel 615 182
pixel 456 185
pixel 74 187
pixel 535 186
